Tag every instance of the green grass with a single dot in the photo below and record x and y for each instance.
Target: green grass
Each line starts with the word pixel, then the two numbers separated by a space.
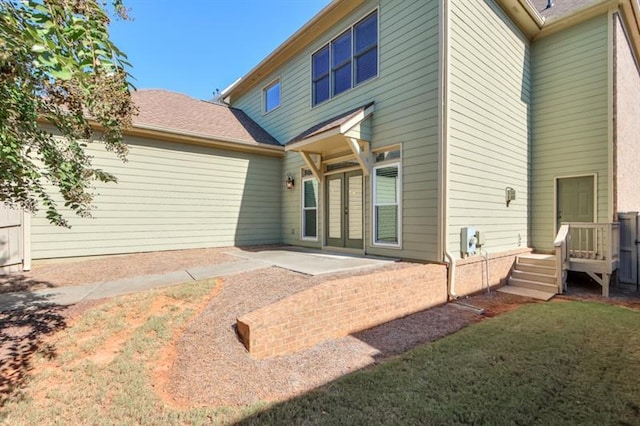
pixel 553 363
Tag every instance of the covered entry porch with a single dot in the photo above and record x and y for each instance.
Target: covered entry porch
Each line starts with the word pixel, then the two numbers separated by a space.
pixel 339 168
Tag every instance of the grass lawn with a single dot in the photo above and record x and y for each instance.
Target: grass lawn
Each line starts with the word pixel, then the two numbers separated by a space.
pixel 547 363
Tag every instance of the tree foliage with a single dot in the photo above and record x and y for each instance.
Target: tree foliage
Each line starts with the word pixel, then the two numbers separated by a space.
pixel 59 73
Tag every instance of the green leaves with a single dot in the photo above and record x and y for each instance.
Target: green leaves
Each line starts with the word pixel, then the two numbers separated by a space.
pixel 58 66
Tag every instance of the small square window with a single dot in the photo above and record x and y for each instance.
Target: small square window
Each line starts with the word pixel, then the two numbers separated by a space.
pixel 272 96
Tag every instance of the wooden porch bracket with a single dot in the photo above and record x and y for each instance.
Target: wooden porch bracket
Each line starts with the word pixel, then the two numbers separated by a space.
pixel 362 156
pixel 315 169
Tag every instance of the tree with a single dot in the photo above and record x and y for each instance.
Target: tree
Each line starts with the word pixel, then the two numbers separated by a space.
pixel 59 72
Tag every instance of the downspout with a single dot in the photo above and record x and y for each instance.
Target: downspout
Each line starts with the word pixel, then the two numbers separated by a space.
pixel 444 150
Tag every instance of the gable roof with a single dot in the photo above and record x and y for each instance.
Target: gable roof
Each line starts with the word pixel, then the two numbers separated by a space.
pixel 174 113
pixel 330 124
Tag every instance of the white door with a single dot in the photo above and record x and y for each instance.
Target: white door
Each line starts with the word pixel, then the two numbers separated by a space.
pixel 629 239
pixel 575 200
pixel 10 239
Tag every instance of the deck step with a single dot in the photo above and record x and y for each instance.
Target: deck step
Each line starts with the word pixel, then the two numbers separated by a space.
pixel 526 292
pixel 547 278
pixel 536 269
pixel 544 260
pixel 533 285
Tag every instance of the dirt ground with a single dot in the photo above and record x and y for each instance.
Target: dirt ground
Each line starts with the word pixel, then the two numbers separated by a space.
pixel 208 366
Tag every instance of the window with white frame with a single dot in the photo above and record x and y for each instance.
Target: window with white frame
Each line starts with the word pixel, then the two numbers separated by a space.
pixel 348 60
pixel 386 198
pixel 309 207
pixel 272 96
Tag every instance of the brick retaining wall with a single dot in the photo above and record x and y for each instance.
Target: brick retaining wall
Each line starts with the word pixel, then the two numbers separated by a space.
pixel 471 272
pixel 340 307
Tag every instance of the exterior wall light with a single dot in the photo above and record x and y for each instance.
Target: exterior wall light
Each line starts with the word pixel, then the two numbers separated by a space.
pixel 289 183
pixel 509 195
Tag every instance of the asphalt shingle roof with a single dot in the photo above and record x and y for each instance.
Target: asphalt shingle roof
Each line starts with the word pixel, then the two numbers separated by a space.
pixel 329 124
pixel 180 113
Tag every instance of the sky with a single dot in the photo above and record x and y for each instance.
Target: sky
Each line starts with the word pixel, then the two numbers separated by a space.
pixel 197 46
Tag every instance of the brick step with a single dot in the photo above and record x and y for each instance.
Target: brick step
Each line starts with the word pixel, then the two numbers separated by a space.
pixel 533 285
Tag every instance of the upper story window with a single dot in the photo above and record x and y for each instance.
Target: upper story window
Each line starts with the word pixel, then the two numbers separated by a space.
pixel 348 60
pixel 272 96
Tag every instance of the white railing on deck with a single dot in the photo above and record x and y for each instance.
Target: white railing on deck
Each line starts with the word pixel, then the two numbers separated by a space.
pixel 581 240
pixel 594 241
pixel 561 245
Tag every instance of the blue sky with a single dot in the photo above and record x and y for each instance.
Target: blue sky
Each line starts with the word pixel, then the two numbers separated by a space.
pixel 197 46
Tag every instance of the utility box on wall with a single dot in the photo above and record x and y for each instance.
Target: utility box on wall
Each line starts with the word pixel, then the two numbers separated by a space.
pixel 468 241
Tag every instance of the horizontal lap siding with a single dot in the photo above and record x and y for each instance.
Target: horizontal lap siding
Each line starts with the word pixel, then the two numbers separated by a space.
pixel 489 125
pixel 171 196
pixel 570 119
pixel 406 111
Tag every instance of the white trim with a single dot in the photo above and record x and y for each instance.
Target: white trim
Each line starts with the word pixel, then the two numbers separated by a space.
pixel 390 163
pixel 610 107
pixel 328 44
pixel 265 88
pixel 555 197
pixel 26 241
pixel 303 209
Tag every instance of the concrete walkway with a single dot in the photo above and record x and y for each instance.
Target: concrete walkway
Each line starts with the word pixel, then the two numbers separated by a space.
pixel 304 261
pixel 101 290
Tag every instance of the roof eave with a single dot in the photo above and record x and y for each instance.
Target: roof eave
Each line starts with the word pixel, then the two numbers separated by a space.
pixel 524 15
pixel 588 10
pixel 177 135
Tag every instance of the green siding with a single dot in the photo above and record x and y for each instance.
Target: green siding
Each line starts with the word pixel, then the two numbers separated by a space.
pixel 406 111
pixel 172 196
pixel 489 125
pixel 570 119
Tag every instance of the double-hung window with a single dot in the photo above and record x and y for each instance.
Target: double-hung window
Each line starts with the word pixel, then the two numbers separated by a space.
pixel 348 60
pixel 309 208
pixel 386 198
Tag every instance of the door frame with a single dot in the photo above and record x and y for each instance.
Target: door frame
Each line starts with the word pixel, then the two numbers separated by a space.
pixel 344 176
pixel 555 197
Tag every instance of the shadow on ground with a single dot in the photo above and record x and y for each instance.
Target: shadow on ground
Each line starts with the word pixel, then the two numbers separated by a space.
pixel 21 282
pixel 22 335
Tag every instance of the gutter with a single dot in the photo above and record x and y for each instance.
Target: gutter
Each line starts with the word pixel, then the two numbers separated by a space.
pixel 532 12
pixel 443 237
pixel 203 139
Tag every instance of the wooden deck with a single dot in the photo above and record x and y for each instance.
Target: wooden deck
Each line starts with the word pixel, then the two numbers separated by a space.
pixel 592 248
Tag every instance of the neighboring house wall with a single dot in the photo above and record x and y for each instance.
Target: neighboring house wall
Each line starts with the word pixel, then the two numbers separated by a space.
pixel 488 126
pixel 406 112
pixel 570 119
pixel 627 123
pixel 171 196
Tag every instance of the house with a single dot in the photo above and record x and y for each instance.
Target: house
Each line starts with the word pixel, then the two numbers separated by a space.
pixel 464 132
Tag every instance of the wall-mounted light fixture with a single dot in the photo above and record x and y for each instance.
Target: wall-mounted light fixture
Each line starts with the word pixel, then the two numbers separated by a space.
pixel 509 195
pixel 289 183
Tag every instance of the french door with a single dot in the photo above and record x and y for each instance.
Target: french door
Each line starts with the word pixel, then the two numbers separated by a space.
pixel 344 216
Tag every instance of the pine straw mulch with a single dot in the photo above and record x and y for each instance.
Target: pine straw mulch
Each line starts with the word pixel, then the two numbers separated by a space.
pixel 212 367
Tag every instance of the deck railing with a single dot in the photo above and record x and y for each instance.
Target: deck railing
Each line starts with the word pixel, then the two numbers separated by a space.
pixel 561 245
pixel 597 242
pixel 594 241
